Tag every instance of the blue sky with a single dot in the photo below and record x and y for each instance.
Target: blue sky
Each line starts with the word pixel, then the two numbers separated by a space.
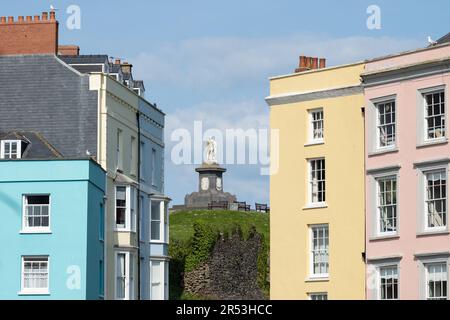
pixel 209 60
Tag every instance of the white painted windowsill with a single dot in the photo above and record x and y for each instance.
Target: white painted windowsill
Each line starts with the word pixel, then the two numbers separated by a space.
pixel 33 293
pixel 37 231
pixel 314 143
pixel 317 279
pixel 312 206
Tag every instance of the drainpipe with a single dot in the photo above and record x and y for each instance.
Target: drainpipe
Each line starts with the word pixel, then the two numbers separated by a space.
pixel 138 205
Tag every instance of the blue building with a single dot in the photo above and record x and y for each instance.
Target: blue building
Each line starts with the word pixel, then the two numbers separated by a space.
pixel 52 232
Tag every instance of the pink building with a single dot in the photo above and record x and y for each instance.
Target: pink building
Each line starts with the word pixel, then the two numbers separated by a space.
pixel 407 164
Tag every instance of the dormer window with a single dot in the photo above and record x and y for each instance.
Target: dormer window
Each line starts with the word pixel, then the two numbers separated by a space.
pixel 11 149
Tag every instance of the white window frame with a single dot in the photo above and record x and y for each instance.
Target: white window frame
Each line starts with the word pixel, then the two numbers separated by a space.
pixel 163 281
pixel 130 209
pixel 34 291
pixel 128 276
pixel 385 266
pixel 425 197
pixel 163 225
pixel 378 179
pixel 321 295
pixel 313 275
pixel 310 184
pixel 426 266
pixel 27 229
pixel 378 124
pixel 18 148
pixel 311 113
pixel 424 93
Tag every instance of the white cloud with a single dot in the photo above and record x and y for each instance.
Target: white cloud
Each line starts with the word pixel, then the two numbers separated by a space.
pixel 224 62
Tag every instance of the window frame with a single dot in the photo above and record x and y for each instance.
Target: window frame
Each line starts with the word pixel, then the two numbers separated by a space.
pixel 130 208
pixel 426 266
pixel 311 121
pixel 425 197
pixel 312 295
pixel 385 266
pixel 18 149
pixel 27 229
pixel 424 93
pixel 34 291
pixel 377 104
pixel 163 233
pixel 387 176
pixel 129 275
pixel 164 274
pixel 313 275
pixel 310 182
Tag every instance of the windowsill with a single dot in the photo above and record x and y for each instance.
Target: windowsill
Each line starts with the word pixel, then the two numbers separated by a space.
pixel 427 233
pixel 317 279
pixel 315 206
pixel 40 231
pixel 158 242
pixel 385 237
pixel 382 151
pixel 428 143
pixel 124 230
pixel 33 293
pixel 314 143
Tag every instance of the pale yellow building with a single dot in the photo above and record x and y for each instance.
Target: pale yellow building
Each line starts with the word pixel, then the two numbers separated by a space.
pixel 317 193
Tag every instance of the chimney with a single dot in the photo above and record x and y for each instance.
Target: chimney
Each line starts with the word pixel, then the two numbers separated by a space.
pixel 28 36
pixel 126 67
pixel 117 61
pixel 310 63
pixel 68 50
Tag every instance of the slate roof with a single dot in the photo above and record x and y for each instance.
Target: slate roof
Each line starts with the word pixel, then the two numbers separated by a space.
pixel 85 59
pixel 34 145
pixel 444 39
pixel 40 93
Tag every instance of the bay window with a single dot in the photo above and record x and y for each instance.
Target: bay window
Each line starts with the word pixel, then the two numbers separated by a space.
pixel 125 208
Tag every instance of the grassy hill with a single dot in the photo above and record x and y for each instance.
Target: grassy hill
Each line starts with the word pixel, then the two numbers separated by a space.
pixel 182 233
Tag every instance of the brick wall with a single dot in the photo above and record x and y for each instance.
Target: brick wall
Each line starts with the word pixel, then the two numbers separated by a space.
pixel 30 35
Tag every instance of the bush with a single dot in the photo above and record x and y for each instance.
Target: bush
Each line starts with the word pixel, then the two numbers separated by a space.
pixel 203 242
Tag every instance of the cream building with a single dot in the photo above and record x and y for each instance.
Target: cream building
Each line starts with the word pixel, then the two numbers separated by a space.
pixel 317 195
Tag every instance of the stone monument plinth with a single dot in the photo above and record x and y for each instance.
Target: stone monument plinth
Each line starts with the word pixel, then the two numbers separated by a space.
pixel 210 187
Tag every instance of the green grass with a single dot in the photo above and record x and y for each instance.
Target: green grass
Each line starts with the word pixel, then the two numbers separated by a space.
pixel 181 222
pixel 185 257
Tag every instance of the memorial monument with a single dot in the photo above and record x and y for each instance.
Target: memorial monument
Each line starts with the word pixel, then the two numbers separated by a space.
pixel 210 181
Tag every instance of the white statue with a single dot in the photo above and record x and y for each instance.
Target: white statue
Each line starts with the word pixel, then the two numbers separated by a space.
pixel 211 151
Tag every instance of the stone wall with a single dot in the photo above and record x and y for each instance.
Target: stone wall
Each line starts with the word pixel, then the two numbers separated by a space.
pixel 231 272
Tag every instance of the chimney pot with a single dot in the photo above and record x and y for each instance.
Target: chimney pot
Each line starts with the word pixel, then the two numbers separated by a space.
pixel 314 63
pixel 10 19
pixel 21 19
pixel 322 63
pixel 37 18
pixel 52 15
pixel 117 61
pixel 29 18
pixel 44 16
pixel 3 20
